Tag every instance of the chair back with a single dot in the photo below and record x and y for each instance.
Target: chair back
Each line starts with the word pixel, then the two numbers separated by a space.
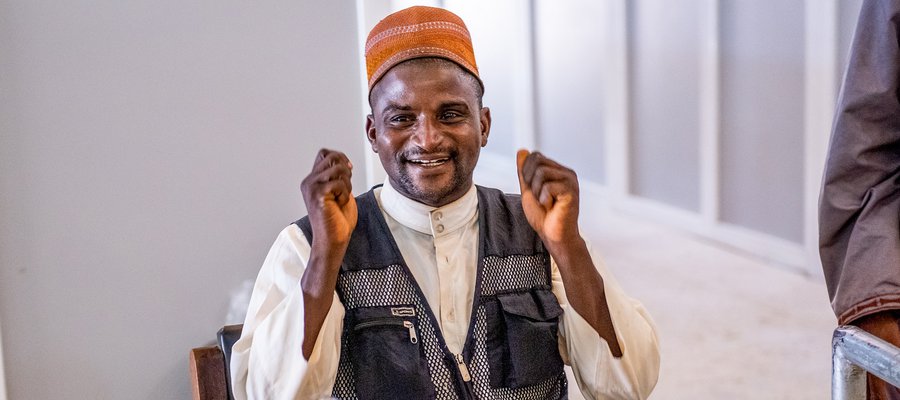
pixel 210 366
pixel 227 336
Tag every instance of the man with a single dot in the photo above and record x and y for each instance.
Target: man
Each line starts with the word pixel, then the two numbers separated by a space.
pixel 430 287
pixel 859 211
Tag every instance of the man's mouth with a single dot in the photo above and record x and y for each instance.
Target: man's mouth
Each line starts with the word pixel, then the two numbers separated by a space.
pixel 430 162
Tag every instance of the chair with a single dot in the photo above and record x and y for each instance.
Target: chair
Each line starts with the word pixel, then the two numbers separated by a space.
pixel 210 372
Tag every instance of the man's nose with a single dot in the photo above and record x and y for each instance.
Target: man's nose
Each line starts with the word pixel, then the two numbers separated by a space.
pixel 428 133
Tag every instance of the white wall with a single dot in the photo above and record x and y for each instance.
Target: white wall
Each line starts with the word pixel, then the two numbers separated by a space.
pixel 664 38
pixel 569 58
pixel 150 151
pixel 762 116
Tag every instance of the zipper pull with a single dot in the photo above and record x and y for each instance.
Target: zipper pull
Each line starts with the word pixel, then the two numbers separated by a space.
pixel 463 369
pixel 412 332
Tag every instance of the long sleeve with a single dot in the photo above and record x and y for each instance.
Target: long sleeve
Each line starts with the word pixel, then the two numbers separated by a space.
pixel 859 237
pixel 267 362
pixel 598 373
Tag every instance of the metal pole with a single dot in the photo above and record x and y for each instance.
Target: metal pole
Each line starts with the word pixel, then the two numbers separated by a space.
pixel 854 352
pixel 848 381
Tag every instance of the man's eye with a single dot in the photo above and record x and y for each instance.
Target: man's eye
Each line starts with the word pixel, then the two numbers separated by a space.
pixel 451 115
pixel 401 119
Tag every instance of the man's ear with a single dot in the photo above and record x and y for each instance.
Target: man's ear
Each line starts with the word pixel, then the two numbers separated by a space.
pixel 485 125
pixel 370 131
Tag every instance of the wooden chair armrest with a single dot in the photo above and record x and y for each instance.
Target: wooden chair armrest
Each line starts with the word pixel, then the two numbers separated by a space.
pixel 208 374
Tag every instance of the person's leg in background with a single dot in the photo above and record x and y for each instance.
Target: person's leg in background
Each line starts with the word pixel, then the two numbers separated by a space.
pixel 886 325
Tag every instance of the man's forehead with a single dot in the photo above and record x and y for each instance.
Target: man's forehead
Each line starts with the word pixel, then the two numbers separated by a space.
pixel 442 81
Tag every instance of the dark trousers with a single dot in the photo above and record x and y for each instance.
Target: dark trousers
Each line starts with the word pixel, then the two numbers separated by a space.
pixel 886 325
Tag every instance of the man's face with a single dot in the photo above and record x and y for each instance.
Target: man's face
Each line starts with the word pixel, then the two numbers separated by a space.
pixel 428 129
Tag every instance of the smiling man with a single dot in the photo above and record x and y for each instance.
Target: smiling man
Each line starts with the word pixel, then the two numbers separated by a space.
pixel 429 287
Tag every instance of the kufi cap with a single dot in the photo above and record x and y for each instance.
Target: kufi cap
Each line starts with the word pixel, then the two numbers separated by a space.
pixel 418 32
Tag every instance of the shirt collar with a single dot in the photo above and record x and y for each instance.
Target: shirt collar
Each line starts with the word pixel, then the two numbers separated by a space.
pixel 434 221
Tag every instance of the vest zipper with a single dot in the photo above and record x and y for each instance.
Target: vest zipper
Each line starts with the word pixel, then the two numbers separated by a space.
pixel 413 338
pixel 463 369
pixel 412 332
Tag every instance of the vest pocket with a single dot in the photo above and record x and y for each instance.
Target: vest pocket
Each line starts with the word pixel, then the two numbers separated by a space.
pixel 522 339
pixel 387 356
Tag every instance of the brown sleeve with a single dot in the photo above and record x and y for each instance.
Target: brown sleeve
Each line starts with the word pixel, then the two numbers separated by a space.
pixel 859 227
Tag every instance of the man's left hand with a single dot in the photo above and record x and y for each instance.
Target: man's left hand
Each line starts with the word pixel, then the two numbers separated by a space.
pixel 550 201
pixel 549 197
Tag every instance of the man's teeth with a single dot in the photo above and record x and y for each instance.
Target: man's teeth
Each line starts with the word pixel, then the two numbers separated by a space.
pixel 428 162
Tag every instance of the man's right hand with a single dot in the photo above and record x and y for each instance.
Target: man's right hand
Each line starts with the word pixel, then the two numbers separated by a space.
pixel 327 192
pixel 332 214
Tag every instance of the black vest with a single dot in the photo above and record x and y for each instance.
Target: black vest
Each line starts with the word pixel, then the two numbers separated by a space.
pixel 391 346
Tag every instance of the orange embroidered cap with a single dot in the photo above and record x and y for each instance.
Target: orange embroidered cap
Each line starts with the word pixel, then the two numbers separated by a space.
pixel 418 32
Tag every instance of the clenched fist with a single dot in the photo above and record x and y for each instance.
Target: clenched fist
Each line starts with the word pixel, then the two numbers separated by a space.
pixel 549 197
pixel 328 195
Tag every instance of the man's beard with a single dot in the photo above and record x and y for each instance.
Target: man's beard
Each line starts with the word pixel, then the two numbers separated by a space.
pixel 435 195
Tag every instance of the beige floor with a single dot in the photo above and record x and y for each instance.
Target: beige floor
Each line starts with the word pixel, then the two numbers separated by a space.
pixel 731 327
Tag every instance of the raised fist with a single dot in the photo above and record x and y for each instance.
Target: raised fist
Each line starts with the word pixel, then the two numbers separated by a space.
pixel 328 195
